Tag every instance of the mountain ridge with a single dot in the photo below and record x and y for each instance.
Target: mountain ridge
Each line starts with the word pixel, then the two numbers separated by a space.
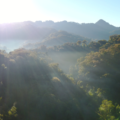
pixel 40 30
pixel 99 30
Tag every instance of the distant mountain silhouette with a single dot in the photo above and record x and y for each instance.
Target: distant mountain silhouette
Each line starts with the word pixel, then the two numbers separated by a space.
pixel 25 30
pixel 99 30
pixel 115 32
pixel 105 25
pixel 41 30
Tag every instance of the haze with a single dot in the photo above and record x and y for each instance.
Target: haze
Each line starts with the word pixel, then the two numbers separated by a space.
pixel 59 60
pixel 87 11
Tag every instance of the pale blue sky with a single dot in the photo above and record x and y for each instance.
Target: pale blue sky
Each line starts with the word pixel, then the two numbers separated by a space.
pixel 81 11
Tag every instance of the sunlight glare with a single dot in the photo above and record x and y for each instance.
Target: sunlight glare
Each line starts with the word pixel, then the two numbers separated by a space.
pixel 18 10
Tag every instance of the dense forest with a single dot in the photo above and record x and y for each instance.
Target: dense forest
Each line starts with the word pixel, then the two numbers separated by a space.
pixel 35 85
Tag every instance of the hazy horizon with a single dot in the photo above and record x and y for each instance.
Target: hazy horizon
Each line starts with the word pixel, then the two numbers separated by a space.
pixel 59 21
pixel 73 11
pixel 59 60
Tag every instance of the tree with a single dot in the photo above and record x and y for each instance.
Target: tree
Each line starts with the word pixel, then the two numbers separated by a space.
pixel 105 110
pixel 102 42
pixel 78 42
pixel 84 42
pixel 94 45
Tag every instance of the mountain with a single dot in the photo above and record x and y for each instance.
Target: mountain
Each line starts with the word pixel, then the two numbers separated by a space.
pixel 57 38
pixel 24 30
pixel 61 37
pixel 105 25
pixel 115 31
pixel 99 30
pixel 41 30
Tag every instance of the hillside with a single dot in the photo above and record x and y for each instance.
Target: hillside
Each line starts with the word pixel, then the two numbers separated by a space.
pixel 116 31
pixel 61 37
pixel 23 31
pixel 32 85
pixel 40 30
pixel 56 39
pixel 99 30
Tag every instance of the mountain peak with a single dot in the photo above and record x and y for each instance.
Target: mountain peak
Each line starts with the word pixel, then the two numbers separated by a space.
pixel 105 25
pixel 102 22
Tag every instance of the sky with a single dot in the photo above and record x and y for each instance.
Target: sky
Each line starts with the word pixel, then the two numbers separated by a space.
pixel 80 11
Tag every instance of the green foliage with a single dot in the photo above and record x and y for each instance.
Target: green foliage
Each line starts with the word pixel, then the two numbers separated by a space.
pixel 55 79
pixel 78 42
pixel 62 37
pixel 1 116
pixel 84 42
pixel 13 111
pixel 104 59
pixel 108 111
pixel 39 87
pixel 43 91
pixel 105 110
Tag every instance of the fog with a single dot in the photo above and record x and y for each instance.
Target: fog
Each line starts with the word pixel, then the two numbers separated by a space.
pixel 66 59
pixel 11 45
pixel 33 76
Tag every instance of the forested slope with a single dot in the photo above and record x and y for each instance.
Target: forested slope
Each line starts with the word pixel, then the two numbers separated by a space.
pixel 36 89
pixel 32 86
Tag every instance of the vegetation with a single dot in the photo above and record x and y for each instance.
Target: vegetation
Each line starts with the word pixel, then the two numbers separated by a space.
pixel 57 38
pixel 39 89
pixel 32 85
